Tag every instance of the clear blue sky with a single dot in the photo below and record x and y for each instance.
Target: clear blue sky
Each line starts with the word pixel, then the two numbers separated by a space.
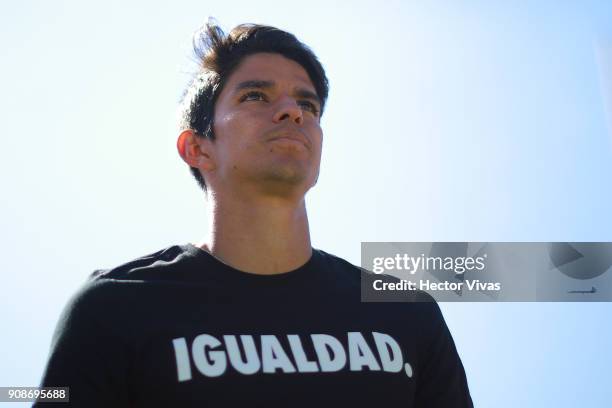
pixel 447 121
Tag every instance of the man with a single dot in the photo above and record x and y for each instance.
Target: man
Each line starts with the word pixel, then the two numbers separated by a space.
pixel 252 315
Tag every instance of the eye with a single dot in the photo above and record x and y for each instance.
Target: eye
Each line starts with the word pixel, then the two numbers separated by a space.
pixel 309 106
pixel 253 96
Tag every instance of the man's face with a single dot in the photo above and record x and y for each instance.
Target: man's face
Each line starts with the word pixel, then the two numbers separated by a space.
pixel 266 126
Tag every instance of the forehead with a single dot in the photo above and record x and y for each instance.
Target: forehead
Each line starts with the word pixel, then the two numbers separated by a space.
pixel 270 67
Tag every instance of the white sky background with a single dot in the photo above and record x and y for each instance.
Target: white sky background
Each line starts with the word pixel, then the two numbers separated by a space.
pixel 477 121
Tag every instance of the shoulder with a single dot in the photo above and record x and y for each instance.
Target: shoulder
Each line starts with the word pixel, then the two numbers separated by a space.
pixel 340 267
pixel 146 267
pixel 107 292
pixel 106 298
pixel 336 261
pixel 365 278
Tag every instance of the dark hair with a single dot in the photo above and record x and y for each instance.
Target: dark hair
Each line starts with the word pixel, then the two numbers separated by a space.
pixel 219 54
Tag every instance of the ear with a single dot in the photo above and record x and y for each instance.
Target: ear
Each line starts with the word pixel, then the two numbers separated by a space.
pixel 195 150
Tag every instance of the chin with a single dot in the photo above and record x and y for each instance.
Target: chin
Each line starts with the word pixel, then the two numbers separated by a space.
pixel 286 176
pixel 288 169
pixel 287 181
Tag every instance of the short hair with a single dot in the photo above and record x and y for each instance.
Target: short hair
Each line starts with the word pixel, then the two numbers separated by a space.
pixel 218 55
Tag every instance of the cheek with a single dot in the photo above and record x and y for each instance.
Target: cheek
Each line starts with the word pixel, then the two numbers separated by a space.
pixel 317 150
pixel 238 125
pixel 317 139
pixel 236 134
pixel 225 125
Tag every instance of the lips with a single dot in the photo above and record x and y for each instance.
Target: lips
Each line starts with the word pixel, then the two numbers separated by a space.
pixel 294 135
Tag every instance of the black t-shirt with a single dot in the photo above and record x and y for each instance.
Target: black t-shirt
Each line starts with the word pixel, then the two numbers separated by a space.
pixel 179 328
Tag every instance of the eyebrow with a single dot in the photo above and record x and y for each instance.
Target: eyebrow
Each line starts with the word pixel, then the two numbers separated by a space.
pixel 305 93
pixel 261 84
pixel 254 83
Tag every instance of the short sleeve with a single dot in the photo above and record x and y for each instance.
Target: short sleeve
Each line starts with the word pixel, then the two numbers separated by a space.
pixel 442 382
pixel 87 352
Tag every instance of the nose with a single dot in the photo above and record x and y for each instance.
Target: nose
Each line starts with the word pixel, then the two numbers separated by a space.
pixel 288 109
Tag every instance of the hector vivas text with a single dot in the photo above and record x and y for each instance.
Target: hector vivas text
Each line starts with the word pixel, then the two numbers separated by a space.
pixel 411 265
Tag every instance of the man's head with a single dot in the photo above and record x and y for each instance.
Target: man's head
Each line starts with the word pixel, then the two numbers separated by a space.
pixel 259 92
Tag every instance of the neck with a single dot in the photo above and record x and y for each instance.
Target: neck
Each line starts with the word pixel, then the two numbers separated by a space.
pixel 267 235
